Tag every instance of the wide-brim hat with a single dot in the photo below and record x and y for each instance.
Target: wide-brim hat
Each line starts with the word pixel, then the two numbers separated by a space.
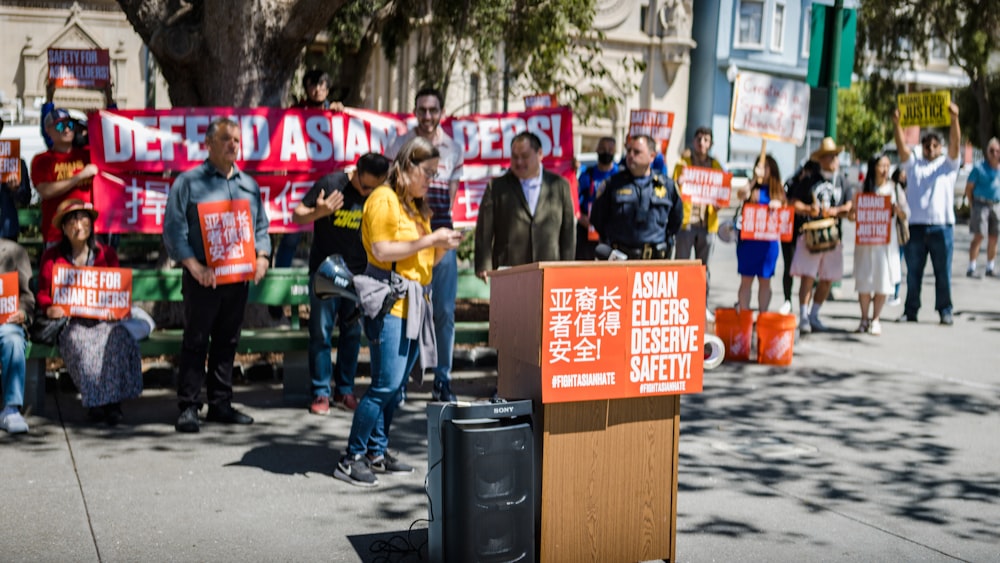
pixel 71 205
pixel 826 147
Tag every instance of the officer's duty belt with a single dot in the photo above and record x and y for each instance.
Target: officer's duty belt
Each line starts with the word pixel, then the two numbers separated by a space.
pixel 649 251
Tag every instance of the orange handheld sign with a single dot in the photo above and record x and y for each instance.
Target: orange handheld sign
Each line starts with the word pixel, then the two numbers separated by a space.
pixel 706 186
pixel 874 219
pixel 80 68
pixel 9 295
pixel 760 222
pixel 10 161
pixel 657 124
pixel 227 233
pixel 91 292
pixel 612 333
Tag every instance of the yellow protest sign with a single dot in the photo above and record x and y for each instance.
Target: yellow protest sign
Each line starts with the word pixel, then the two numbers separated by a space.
pixel 926 109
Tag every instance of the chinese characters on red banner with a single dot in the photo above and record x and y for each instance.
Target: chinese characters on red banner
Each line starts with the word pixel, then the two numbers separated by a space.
pixel 760 222
pixel 622 332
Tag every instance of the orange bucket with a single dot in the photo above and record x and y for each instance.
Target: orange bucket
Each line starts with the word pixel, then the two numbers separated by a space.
pixel 775 338
pixel 736 331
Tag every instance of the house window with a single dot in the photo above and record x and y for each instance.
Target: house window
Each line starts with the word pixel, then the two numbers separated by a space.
pixel 939 51
pixel 778 28
pixel 750 23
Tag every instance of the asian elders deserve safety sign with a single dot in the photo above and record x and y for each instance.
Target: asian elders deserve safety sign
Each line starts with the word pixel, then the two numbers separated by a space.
pixel 613 333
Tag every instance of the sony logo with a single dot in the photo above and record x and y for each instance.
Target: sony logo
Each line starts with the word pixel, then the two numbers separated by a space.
pixel 502 410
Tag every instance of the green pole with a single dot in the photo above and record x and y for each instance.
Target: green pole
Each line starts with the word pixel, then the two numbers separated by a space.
pixel 833 82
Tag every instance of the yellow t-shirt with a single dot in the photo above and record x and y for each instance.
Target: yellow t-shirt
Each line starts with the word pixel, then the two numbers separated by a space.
pixel 711 215
pixel 385 219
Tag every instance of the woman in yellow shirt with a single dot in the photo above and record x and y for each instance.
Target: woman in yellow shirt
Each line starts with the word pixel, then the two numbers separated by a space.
pixel 396 233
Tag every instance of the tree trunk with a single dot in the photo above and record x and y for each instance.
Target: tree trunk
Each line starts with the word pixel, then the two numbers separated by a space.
pixel 228 53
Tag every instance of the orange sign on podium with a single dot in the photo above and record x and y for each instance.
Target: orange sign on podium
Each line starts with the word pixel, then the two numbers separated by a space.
pixel 614 333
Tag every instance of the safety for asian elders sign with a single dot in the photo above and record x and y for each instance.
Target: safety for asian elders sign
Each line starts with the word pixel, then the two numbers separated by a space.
pixel 612 333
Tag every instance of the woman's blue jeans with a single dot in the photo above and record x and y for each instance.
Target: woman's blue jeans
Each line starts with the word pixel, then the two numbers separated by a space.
pixel 12 370
pixel 392 357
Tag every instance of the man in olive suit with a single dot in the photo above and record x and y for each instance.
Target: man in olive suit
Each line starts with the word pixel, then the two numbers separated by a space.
pixel 526 215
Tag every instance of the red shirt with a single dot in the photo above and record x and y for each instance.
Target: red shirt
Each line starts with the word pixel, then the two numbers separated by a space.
pixel 52 166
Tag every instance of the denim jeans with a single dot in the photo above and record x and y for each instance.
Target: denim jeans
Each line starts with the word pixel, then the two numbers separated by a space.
pixel 287 246
pixel 12 344
pixel 939 242
pixel 323 314
pixel 392 357
pixel 444 291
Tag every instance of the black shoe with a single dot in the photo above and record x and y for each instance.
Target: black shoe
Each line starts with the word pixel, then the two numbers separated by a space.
pixel 356 470
pixel 226 414
pixel 388 463
pixel 188 420
pixel 113 414
pixel 442 392
pixel 908 318
pixel 96 414
pixel 947 319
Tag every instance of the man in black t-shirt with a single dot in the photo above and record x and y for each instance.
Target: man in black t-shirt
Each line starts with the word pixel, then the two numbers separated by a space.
pixel 334 205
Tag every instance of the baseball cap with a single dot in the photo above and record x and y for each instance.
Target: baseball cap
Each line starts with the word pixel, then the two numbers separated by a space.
pixel 57 115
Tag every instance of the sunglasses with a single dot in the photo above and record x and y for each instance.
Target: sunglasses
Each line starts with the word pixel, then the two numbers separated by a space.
pixel 64 125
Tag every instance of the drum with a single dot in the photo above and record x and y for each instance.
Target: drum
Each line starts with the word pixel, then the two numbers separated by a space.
pixel 821 235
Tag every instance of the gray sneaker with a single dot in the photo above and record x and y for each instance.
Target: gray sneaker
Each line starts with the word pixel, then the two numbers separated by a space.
pixel 388 463
pixel 12 421
pixel 356 470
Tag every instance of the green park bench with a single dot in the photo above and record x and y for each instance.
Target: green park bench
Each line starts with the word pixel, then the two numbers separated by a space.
pixel 281 286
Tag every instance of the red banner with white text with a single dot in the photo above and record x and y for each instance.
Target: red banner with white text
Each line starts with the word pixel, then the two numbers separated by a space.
pixel 288 150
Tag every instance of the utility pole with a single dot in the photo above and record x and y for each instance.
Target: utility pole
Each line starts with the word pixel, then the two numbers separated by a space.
pixel 833 84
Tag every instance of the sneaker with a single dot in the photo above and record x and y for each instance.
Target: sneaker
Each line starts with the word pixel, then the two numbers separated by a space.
pixel 816 325
pixel 320 405
pixel 188 421
pixel 971 273
pixel 991 273
pixel 805 327
pixel 786 308
pixel 113 414
pixel 12 421
pixel 947 319
pixel 226 414
pixel 876 328
pixel 388 463
pixel 346 402
pixel 355 469
pixel 442 392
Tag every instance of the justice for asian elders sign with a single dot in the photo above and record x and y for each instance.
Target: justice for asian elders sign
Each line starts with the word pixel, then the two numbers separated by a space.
pixel 90 292
pixel 769 107
pixel 613 333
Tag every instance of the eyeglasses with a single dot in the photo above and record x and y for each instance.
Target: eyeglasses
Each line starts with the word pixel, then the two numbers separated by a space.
pixel 64 125
pixel 428 175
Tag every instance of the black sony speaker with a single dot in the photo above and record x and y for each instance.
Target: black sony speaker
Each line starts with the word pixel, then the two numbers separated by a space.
pixel 488 486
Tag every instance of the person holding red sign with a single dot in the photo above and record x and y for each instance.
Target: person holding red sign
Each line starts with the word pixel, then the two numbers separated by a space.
pixel 758 258
pixel 62 172
pixel 12 196
pixel 402 251
pixel 701 221
pixel 102 357
pixel 13 335
pixel 877 267
pixel 213 311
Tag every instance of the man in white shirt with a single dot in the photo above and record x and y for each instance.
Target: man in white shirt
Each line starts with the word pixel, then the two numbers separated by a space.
pixel 931 194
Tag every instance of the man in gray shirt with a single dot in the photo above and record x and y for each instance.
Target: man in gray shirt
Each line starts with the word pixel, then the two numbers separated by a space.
pixel 213 312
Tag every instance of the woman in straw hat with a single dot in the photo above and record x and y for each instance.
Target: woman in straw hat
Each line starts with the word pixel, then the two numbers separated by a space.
pixel 102 357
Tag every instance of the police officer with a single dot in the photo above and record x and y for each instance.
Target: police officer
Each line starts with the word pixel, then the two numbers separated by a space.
pixel 638 212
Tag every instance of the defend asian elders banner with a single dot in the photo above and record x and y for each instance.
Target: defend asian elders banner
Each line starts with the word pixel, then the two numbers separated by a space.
pixel 310 142
pixel 91 292
pixel 611 333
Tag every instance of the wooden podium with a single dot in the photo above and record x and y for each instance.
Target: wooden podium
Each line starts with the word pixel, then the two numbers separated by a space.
pixel 608 468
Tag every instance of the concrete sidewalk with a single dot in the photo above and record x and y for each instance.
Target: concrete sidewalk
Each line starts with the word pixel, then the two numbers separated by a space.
pixel 865 449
